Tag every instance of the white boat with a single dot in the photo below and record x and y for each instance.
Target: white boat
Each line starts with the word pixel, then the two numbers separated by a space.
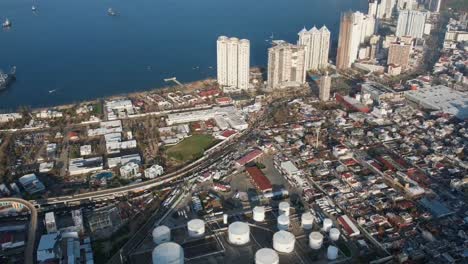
pixel 33 8
pixel 7 23
pixel 111 12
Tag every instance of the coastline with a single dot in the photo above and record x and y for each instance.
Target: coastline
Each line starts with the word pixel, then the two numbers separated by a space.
pixel 187 87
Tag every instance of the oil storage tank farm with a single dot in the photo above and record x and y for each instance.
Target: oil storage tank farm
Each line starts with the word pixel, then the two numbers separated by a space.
pixel 283 222
pixel 284 208
pixel 168 253
pixel 307 221
pixel 239 233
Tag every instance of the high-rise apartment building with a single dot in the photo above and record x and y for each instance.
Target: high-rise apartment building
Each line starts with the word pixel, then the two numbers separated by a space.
pixel 398 54
pixel 317 42
pixel 385 8
pixel 325 85
pixel 286 65
pixel 411 23
pixel 355 29
pixel 233 56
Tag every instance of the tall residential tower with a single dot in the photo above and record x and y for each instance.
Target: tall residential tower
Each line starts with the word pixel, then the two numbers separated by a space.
pixel 317 42
pixel 411 23
pixel 233 63
pixel 355 29
pixel 286 65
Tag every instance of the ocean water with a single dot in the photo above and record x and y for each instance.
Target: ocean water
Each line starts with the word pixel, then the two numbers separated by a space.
pixel 72 47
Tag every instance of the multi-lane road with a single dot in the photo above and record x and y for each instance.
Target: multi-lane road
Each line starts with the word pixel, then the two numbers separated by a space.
pixel 30 245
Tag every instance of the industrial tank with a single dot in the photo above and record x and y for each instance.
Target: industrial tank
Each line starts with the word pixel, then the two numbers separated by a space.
pixel 315 240
pixel 239 233
pixel 284 208
pixel 283 222
pixel 327 224
pixel 266 256
pixel 168 253
pixel 332 252
pixel 307 220
pixel 283 241
pixel 196 228
pixel 161 234
pixel 334 234
pixel 259 213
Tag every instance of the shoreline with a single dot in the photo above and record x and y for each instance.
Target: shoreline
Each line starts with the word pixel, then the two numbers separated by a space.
pixel 187 87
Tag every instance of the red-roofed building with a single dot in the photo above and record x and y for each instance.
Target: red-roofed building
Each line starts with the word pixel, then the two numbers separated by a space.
pixel 224 100
pixel 350 228
pixel 259 179
pixel 228 133
pixel 209 93
pixel 251 156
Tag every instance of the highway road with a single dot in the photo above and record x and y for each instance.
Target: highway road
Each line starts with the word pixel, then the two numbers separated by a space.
pixel 30 245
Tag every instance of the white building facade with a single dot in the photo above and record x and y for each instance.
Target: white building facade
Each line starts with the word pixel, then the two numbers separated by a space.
pixel 411 23
pixel 233 63
pixel 317 42
pixel 286 65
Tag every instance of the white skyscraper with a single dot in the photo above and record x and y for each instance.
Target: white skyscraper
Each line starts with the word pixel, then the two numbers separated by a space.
pixel 286 65
pixel 355 29
pixel 318 45
pixel 325 84
pixel 233 63
pixel 411 23
pixel 373 5
pixel 385 8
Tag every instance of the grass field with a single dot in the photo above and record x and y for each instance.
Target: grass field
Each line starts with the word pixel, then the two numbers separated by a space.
pixel 190 148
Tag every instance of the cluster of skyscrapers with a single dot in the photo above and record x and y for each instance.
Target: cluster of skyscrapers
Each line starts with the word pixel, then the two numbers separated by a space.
pixel 289 63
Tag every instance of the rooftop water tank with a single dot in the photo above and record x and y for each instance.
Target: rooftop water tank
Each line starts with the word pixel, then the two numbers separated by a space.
pixel 259 213
pixel 315 240
pixel 283 241
pixel 168 253
pixel 239 233
pixel 307 220
pixel 284 208
pixel 196 228
pixel 332 252
pixel 334 234
pixel 266 256
pixel 327 224
pixel 161 234
pixel 283 222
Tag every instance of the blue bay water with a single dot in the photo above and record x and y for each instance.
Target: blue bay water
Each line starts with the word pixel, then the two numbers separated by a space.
pixel 75 48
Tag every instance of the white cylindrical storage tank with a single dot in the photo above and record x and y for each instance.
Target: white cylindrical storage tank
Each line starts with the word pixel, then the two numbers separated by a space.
pixel 334 234
pixel 225 219
pixel 327 224
pixel 315 240
pixel 161 234
pixel 283 222
pixel 196 228
pixel 284 208
pixel 283 241
pixel 307 220
pixel 239 233
pixel 332 252
pixel 266 256
pixel 168 253
pixel 259 213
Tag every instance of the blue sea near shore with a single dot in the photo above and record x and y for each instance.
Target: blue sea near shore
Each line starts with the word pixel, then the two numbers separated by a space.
pixel 72 50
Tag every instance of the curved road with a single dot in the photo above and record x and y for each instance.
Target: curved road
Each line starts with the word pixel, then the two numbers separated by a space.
pixel 30 246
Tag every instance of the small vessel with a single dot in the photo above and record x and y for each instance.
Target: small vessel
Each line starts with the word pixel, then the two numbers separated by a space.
pixel 7 23
pixel 52 91
pixel 33 8
pixel 7 78
pixel 111 12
